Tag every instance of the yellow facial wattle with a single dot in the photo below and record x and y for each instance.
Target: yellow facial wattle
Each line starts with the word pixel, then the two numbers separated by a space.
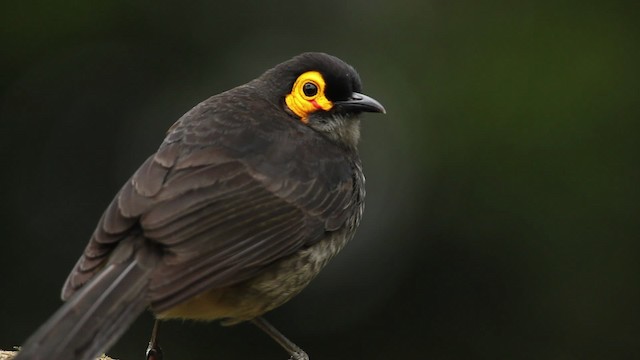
pixel 308 95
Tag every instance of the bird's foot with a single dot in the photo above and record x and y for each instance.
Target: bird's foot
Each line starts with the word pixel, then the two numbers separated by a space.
pixel 154 353
pixel 299 355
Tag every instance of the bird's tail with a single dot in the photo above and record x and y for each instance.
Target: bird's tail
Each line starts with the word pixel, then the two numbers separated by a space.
pixel 95 317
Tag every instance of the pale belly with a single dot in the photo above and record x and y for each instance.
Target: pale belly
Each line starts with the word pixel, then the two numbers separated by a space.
pixel 272 288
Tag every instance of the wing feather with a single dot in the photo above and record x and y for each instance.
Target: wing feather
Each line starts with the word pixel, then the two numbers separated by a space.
pixel 223 198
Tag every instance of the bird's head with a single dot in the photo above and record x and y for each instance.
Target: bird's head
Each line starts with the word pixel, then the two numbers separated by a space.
pixel 322 92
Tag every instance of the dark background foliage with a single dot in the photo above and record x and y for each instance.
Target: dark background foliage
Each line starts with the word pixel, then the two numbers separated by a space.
pixel 502 210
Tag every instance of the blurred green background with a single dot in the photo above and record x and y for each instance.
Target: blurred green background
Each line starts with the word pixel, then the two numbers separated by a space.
pixel 503 184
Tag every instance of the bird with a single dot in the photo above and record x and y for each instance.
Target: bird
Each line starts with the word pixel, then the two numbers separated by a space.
pixel 247 198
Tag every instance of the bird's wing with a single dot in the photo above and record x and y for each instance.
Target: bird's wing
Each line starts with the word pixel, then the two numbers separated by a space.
pixel 223 198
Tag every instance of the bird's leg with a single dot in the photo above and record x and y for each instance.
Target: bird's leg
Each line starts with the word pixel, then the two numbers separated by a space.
pixel 154 352
pixel 294 350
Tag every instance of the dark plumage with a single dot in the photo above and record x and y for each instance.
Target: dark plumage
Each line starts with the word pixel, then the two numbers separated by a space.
pixel 240 207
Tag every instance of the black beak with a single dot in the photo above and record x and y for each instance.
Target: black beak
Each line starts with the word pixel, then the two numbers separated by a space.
pixel 360 103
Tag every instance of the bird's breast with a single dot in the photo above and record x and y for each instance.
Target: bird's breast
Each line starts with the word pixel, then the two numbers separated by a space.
pixel 273 287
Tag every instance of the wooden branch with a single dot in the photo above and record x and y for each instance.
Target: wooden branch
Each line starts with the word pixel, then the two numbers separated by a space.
pixel 8 355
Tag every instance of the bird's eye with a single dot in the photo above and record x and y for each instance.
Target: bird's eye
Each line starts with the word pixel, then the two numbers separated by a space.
pixel 309 89
pixel 308 95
